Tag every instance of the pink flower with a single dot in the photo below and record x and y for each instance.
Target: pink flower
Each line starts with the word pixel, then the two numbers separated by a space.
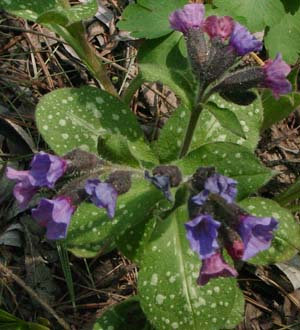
pixel 214 267
pixel 219 26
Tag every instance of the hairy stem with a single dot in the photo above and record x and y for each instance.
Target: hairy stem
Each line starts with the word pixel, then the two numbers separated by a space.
pixel 192 125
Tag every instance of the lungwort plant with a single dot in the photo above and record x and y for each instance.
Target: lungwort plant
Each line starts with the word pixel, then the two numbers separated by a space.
pixel 177 206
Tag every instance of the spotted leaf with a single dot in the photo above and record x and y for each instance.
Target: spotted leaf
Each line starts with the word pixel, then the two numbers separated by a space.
pixel 127 315
pixel 91 230
pixel 229 159
pixel 247 123
pixel 49 11
pixel 286 241
pixel 71 118
pixel 167 287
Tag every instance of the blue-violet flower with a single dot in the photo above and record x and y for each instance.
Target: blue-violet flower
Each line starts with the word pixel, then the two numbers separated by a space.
pixel 243 41
pixel 102 194
pixel 190 17
pixel 213 267
pixel 256 234
pixel 55 215
pixel 202 234
pixel 217 184
pixel 276 72
pixel 46 169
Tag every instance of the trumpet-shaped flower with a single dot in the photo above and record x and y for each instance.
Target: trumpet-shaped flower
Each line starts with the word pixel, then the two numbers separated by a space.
pixel 214 267
pixel 276 72
pixel 102 194
pixel 256 234
pixel 55 215
pixel 243 41
pixel 202 234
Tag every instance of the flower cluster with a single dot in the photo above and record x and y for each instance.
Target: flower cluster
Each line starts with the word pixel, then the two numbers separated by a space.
pixel 55 214
pixel 225 43
pixel 219 223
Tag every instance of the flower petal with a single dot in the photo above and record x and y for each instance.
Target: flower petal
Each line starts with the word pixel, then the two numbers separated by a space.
pixel 214 267
pixel 202 234
pixel 256 234
pixel 190 17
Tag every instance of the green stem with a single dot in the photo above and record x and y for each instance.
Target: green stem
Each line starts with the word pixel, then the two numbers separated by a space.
pixel 75 36
pixel 192 125
pixel 131 89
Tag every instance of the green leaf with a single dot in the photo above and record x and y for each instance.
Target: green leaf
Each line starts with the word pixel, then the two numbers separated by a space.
pixel 230 159
pixel 286 242
pixel 167 147
pixel 54 16
pixel 115 148
pixel 50 11
pixel 71 118
pixel 291 194
pixel 91 229
pixel 284 37
pixel 226 118
pixel 30 9
pixel 259 13
pixel 149 18
pixel 10 322
pixel 161 60
pixel 276 110
pixel 127 315
pixel 66 17
pixel 249 116
pixel 167 287
pixel 291 5
pixel 137 238
pixel 118 150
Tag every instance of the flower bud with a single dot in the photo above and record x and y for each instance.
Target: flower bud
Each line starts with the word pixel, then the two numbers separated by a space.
pixel 120 180
pixel 171 171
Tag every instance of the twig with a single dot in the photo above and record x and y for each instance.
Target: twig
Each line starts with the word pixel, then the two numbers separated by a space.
pixel 8 273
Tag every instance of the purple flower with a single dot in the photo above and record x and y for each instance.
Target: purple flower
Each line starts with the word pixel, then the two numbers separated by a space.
pixel 256 234
pixel 55 215
pixel 276 72
pixel 213 267
pixel 103 195
pixel 219 26
pixel 223 186
pixel 243 41
pixel 217 184
pixel 202 234
pixel 46 169
pixel 23 190
pixel 190 17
